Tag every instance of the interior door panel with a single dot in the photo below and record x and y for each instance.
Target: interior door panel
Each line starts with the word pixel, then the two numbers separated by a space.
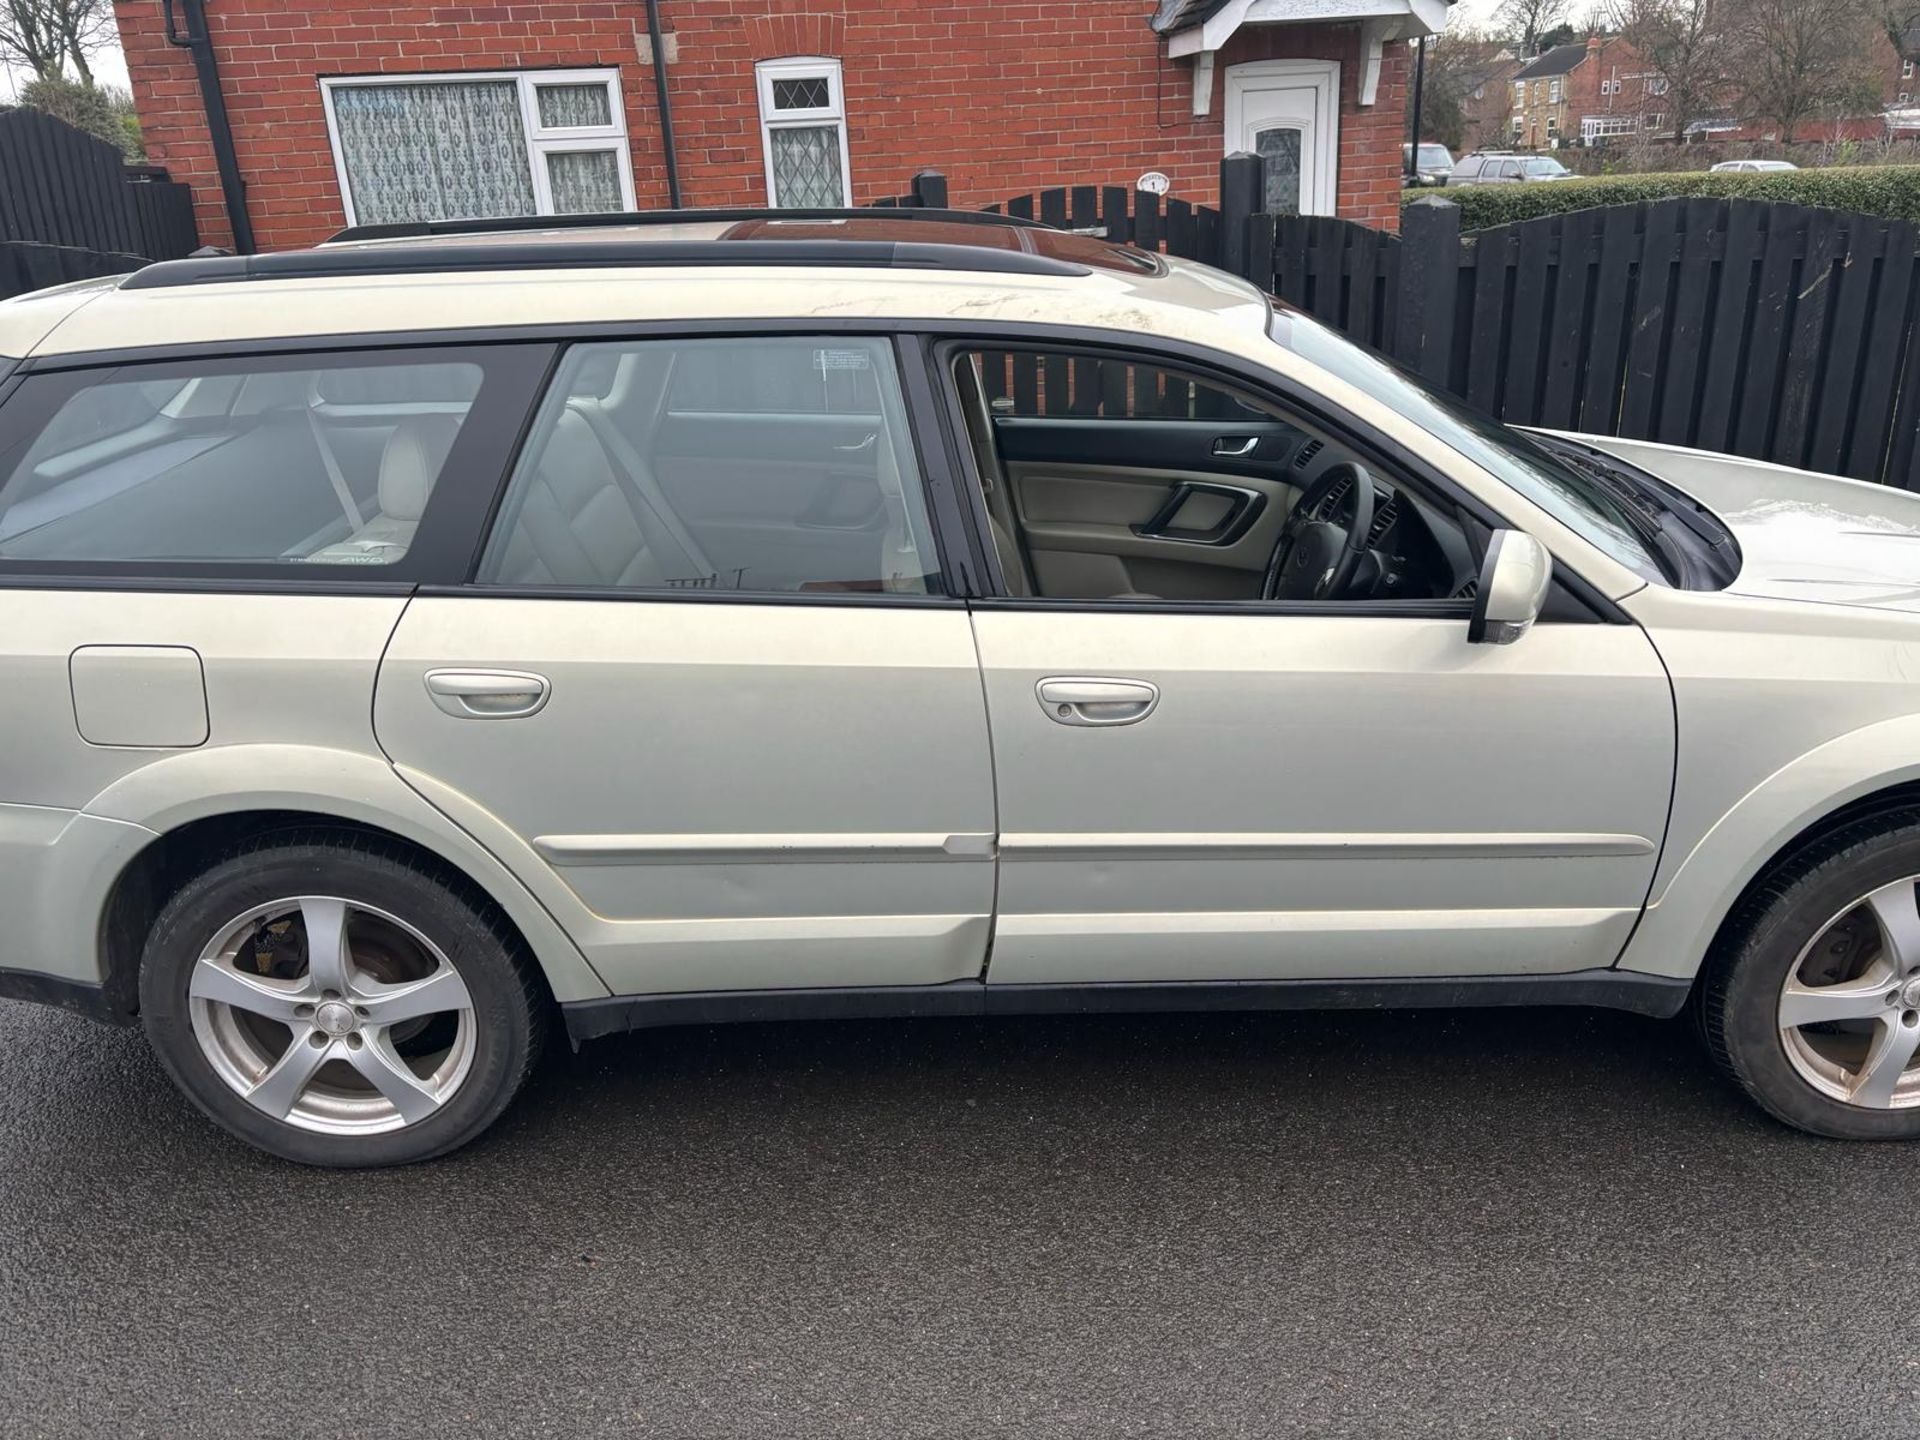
pixel 1084 528
pixel 1191 508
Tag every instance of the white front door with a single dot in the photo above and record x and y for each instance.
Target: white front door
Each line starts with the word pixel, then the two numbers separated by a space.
pixel 1288 113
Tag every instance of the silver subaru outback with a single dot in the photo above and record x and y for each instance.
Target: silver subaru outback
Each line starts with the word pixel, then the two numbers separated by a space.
pixel 451 636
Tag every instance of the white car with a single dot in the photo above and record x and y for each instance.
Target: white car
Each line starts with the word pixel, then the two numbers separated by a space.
pixel 417 643
pixel 1753 167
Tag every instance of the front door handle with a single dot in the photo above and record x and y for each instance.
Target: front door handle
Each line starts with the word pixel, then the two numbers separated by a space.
pixel 1236 447
pixel 1075 700
pixel 488 694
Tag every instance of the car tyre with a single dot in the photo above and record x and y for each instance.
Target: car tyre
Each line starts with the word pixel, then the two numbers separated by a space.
pixel 1815 922
pixel 432 980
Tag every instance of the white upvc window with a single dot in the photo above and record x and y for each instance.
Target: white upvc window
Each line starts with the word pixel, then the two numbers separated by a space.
pixel 479 144
pixel 803 133
pixel 1553 91
pixel 1906 69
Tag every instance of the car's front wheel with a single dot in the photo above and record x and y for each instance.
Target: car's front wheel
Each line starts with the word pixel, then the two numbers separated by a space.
pixel 1814 1005
pixel 328 998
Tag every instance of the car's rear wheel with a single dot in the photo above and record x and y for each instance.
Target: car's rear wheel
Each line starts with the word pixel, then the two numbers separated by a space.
pixel 329 999
pixel 1814 1006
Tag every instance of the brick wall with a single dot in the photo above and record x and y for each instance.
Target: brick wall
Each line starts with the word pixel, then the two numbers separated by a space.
pixel 1004 98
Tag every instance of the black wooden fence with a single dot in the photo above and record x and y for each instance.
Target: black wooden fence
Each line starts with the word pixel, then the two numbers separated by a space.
pixel 26 266
pixel 1113 212
pixel 1769 330
pixel 60 187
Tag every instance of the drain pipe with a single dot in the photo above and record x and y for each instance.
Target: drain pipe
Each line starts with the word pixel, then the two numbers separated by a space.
pixel 195 37
pixel 1419 87
pixel 660 97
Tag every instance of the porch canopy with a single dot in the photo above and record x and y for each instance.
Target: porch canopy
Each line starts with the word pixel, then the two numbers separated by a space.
pixel 1201 28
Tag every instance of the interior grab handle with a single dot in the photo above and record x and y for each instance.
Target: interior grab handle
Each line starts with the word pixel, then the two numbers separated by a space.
pixel 488 694
pixel 1085 700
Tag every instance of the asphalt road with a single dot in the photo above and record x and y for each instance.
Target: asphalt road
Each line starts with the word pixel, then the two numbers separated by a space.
pixel 1482 1225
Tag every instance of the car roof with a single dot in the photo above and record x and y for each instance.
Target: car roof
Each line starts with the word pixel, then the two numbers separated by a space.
pixel 697 266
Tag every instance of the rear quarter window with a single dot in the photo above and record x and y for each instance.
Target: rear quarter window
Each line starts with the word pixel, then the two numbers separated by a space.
pixel 317 463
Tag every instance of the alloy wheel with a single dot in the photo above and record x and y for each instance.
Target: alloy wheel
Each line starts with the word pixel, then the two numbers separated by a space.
pixel 1849 1010
pixel 332 1016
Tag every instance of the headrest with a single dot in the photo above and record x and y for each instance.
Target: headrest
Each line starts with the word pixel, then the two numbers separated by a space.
pixel 412 461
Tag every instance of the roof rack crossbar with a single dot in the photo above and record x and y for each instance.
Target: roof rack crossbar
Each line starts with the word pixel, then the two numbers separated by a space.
pixel 605 254
pixel 421 229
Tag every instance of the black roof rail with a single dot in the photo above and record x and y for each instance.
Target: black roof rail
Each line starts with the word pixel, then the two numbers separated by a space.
pixel 421 229
pixel 597 254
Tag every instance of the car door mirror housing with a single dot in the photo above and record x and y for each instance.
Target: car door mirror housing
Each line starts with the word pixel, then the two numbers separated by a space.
pixel 1514 579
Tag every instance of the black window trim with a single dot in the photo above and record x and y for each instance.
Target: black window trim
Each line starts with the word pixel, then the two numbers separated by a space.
pixel 1583 600
pixel 513 375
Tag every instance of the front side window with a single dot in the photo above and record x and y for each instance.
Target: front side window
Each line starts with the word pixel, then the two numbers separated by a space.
pixel 1135 481
pixel 803 132
pixel 321 461
pixel 775 465
pixel 460 147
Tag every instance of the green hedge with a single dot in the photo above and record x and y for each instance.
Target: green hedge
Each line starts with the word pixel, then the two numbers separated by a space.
pixel 1890 190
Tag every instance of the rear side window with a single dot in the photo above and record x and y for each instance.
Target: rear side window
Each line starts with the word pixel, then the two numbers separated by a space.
pixel 309 461
pixel 774 465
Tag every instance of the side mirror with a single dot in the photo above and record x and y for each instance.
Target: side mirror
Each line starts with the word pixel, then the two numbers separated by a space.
pixel 1513 586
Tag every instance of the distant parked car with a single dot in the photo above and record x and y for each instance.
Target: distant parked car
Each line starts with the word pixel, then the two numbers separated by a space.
pixel 1503 167
pixel 1751 166
pixel 1433 167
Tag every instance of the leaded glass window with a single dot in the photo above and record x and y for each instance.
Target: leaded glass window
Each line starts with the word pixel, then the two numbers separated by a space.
pixel 455 147
pixel 1280 148
pixel 806 167
pixel 803 124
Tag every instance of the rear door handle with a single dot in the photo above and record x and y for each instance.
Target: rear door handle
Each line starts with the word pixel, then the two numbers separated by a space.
pixel 488 694
pixel 1077 700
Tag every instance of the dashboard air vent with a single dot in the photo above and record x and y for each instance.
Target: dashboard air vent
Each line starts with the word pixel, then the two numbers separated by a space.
pixel 1383 521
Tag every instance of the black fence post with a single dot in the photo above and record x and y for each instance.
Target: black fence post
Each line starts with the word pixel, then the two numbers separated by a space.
pixel 1429 279
pixel 930 190
pixel 1243 186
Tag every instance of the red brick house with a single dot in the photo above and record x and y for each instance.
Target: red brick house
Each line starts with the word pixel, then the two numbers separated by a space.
pixel 1596 90
pixel 365 110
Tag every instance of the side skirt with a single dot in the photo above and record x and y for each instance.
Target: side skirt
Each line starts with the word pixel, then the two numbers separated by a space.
pixel 63 994
pixel 1656 995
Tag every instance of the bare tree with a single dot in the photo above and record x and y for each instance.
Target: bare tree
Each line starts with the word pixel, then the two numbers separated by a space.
pixel 1523 21
pixel 1792 60
pixel 48 36
pixel 1466 101
pixel 1683 45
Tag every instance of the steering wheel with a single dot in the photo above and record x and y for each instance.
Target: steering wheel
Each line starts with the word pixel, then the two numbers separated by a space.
pixel 1325 535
